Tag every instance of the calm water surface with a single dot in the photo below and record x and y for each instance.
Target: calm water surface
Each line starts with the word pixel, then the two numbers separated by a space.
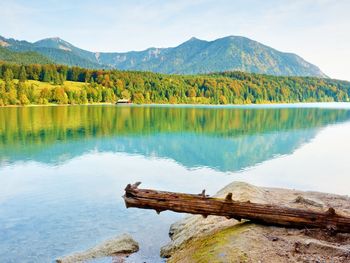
pixel 63 169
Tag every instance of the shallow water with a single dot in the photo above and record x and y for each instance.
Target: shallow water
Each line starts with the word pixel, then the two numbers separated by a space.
pixel 63 169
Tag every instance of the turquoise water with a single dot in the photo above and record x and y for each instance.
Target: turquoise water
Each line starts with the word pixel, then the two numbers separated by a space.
pixel 63 169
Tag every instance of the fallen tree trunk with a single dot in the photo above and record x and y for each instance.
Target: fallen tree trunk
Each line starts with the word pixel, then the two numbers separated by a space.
pixel 259 213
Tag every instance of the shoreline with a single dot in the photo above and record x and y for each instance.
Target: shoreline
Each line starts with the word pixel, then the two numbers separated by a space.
pixel 252 105
pixel 55 105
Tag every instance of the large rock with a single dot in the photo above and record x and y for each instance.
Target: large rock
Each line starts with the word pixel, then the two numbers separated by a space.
pixel 217 239
pixel 120 246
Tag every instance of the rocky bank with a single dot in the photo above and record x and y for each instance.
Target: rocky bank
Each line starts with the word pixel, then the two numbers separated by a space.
pixel 217 239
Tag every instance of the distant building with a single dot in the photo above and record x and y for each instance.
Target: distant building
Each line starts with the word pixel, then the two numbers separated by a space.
pixel 123 101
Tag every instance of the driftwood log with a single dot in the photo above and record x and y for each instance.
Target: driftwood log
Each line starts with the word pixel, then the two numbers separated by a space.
pixel 259 213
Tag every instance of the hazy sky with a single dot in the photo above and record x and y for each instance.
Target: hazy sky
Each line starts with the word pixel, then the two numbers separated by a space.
pixel 317 30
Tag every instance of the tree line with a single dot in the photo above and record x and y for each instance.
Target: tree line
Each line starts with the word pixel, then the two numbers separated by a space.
pixel 146 87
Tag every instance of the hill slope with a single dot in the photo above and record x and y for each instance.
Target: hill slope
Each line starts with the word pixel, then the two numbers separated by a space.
pixel 22 57
pixel 191 57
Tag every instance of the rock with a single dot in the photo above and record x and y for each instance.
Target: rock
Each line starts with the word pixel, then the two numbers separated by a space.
pixel 122 246
pixel 217 239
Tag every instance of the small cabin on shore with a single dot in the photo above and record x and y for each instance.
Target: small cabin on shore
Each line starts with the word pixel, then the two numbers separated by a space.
pixel 123 101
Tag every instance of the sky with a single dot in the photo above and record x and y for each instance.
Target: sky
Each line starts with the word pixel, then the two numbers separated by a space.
pixel 317 30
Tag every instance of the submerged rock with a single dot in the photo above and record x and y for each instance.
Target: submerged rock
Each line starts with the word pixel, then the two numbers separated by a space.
pixel 121 246
pixel 217 239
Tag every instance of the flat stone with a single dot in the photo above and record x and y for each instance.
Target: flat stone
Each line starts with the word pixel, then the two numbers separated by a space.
pixel 121 246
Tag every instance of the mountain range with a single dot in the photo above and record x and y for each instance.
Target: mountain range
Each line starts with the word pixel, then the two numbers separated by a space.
pixel 232 53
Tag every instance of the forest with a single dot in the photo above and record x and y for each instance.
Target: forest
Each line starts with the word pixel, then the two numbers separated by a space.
pixel 26 58
pixel 19 86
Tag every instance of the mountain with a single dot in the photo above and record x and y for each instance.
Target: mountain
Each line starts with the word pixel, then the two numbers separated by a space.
pixel 55 49
pixel 29 57
pixel 224 54
pixel 191 57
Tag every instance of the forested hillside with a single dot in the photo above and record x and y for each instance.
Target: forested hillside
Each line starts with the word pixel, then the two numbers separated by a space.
pixel 29 57
pixel 146 87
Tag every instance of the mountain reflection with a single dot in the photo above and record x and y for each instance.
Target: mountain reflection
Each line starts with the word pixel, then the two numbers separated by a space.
pixel 226 139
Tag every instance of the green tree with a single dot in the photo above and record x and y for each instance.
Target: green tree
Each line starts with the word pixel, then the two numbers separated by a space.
pixel 138 98
pixel 60 95
pixel 22 74
pixel 8 75
pixel 125 94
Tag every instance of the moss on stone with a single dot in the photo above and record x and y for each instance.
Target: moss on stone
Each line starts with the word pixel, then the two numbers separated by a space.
pixel 214 248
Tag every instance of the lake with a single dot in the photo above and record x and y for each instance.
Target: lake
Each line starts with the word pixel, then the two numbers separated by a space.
pixel 63 169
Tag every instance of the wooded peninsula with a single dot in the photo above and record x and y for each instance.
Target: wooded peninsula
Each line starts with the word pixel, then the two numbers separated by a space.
pixel 59 84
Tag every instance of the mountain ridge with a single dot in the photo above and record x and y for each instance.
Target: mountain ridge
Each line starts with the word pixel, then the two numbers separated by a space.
pixel 194 56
